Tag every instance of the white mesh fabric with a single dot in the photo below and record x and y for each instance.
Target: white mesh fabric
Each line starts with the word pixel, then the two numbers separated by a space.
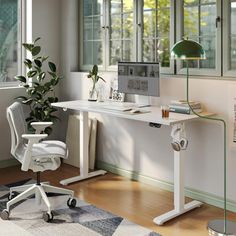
pixel 16 119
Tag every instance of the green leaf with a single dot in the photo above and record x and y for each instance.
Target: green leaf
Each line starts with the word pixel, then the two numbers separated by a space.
pixel 31 73
pixel 21 98
pixel 44 58
pixel 28 63
pixel 36 50
pixel 20 78
pixel 38 63
pixel 52 66
pixel 51 99
pixel 52 74
pixel 95 70
pixel 37 39
pixel 28 101
pixel 99 77
pixel 28 46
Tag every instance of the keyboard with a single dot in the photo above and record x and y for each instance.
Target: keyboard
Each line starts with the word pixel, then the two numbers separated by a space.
pixel 120 106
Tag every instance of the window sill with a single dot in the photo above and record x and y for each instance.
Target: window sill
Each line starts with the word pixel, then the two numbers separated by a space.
pixel 10 86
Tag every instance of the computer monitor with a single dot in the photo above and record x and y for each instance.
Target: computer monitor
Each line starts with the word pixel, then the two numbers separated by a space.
pixel 140 78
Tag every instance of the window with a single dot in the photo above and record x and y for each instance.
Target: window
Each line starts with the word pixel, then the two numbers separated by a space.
pixel 199 22
pixel 9 40
pixel 157 33
pixel 145 30
pixel 121 31
pixel 126 30
pixel 229 36
pixel 92 36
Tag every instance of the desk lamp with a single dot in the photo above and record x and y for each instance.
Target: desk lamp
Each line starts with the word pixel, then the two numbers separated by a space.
pixel 190 50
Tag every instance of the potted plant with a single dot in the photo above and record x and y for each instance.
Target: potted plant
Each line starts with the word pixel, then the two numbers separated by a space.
pixel 93 74
pixel 39 85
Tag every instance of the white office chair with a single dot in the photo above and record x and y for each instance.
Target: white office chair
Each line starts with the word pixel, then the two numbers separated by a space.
pixel 37 156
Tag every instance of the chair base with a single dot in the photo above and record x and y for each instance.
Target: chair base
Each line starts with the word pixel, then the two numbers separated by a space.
pixel 39 190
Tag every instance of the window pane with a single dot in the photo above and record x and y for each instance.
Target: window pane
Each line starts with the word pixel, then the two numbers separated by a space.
pixel 127 50
pixel 88 53
pixel 199 25
pixel 97 27
pixel 164 52
pixel 233 54
pixel 92 32
pixel 121 31
pixel 88 28
pixel 149 4
pixel 97 55
pixel 208 13
pixel 115 32
pixel 115 6
pixel 149 23
pixel 156 31
pixel 97 7
pixel 191 23
pixel 148 50
pixel 8 40
pixel 232 36
pixel 88 7
pixel 163 23
pixel 115 52
pixel 128 26
pixel 209 46
pixel 128 6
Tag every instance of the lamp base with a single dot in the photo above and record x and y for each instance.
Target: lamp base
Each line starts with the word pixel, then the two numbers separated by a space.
pixel 216 228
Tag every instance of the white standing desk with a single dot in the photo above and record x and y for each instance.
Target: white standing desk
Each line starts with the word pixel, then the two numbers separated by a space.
pixel 154 117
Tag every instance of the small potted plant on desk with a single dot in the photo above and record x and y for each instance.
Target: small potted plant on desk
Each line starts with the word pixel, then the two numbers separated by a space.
pixel 93 74
pixel 39 87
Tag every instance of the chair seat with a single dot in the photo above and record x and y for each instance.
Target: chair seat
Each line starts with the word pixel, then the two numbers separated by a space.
pixel 49 148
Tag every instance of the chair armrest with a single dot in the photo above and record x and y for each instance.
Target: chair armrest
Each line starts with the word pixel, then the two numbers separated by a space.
pixel 34 138
pixel 40 126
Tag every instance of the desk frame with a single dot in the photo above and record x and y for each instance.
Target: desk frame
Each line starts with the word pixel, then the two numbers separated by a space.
pixel 179 199
pixel 84 156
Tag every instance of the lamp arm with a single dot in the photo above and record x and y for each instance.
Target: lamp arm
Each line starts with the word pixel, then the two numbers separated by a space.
pixel 224 125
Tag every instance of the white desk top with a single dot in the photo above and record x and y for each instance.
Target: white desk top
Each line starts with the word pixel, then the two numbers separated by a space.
pixel 154 115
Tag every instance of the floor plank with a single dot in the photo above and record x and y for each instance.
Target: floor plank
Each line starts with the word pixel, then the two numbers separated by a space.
pixel 135 201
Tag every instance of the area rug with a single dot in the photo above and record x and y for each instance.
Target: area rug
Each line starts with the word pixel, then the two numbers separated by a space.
pixel 84 220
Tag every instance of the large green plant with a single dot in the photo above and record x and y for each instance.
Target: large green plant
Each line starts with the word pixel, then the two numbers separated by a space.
pixel 39 84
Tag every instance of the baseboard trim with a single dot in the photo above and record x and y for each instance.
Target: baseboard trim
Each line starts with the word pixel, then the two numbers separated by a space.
pixel 202 196
pixel 8 163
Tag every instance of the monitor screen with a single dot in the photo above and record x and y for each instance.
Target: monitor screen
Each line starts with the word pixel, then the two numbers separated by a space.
pixel 141 78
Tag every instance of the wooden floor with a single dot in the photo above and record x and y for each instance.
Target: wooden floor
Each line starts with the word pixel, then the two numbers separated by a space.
pixel 137 202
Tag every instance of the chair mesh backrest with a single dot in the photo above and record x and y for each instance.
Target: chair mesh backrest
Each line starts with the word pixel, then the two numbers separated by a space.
pixel 16 119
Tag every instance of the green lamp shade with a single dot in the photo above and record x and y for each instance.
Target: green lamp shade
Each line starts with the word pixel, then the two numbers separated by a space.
pixel 188 50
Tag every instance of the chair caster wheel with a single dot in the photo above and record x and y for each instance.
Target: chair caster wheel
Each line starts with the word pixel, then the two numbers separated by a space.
pixel 12 195
pixel 71 203
pixel 48 217
pixel 5 214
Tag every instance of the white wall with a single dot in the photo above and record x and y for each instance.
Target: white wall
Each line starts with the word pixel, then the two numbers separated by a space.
pixel 134 146
pixel 46 24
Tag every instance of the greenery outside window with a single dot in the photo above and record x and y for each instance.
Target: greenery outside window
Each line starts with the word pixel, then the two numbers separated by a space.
pixel 200 20
pixel 158 33
pixel 10 41
pixel 121 31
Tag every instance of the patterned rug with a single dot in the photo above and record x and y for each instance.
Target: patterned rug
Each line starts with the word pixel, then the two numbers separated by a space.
pixel 84 220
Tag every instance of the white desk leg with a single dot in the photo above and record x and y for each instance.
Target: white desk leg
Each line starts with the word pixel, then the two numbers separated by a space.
pixel 84 156
pixel 179 206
